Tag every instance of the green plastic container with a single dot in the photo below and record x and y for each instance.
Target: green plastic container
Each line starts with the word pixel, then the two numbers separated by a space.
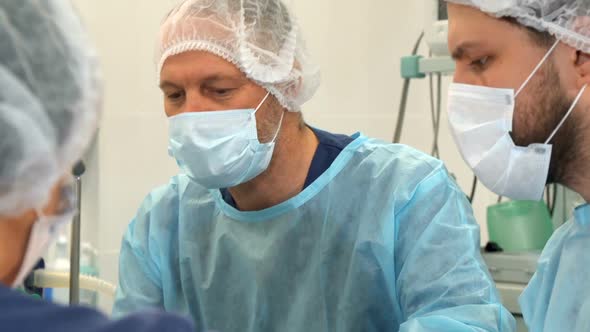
pixel 519 226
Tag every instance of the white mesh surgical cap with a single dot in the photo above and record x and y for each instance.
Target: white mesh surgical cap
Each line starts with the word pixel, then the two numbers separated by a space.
pixel 567 20
pixel 49 99
pixel 260 37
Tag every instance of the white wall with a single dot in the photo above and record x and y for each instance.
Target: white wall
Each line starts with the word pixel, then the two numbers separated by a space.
pixel 358 45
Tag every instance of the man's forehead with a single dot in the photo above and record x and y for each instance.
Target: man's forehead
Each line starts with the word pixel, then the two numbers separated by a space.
pixel 471 21
pixel 470 28
pixel 200 65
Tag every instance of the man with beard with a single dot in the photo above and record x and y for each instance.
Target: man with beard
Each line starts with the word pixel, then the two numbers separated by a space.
pixel 518 110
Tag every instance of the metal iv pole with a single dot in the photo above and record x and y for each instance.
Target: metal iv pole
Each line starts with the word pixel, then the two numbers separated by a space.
pixel 78 170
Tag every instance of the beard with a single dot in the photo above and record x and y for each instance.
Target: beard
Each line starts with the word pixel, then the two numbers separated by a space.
pixel 537 116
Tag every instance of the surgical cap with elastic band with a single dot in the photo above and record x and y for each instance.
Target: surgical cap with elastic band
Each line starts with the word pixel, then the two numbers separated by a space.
pixel 567 20
pixel 260 37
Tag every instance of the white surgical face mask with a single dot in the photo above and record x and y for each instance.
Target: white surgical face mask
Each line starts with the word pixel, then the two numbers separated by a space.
pixel 220 149
pixel 481 120
pixel 44 232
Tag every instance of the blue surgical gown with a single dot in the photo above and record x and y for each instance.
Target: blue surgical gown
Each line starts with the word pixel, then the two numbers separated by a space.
pixel 558 296
pixel 382 241
pixel 20 313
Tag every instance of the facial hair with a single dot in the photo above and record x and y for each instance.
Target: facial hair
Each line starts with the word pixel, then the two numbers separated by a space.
pixel 538 114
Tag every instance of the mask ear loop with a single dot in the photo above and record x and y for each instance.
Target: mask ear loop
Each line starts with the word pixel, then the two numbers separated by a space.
pixel 40 215
pixel 43 219
pixel 280 122
pixel 537 68
pixel 567 115
pixel 262 102
pixel 67 204
pixel 280 125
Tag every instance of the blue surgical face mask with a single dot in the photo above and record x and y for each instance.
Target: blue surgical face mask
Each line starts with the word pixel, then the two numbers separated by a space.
pixel 220 149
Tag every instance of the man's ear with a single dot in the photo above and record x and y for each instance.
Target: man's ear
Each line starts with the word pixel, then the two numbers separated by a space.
pixel 582 61
pixel 583 68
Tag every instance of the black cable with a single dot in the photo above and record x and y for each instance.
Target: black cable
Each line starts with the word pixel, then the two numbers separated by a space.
pixel 435 151
pixel 550 198
pixel 404 99
pixel 473 189
pixel 417 44
pixel 432 110
pixel 402 112
pixel 554 201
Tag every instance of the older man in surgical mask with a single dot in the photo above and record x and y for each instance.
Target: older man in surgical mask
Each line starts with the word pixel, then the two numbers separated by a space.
pixel 273 225
pixel 49 108
pixel 519 112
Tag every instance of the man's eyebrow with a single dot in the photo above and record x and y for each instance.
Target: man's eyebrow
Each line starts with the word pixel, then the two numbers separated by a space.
pixel 168 84
pixel 220 77
pixel 209 80
pixel 459 51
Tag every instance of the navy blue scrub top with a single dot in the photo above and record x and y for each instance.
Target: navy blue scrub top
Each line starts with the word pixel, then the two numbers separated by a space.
pixel 23 313
pixel 329 147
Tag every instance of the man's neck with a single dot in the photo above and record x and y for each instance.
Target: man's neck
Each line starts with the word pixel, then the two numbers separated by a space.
pixel 286 174
pixel 578 179
pixel 577 173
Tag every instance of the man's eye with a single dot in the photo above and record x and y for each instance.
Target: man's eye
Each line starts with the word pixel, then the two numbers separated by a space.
pixel 175 95
pixel 480 64
pixel 222 92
